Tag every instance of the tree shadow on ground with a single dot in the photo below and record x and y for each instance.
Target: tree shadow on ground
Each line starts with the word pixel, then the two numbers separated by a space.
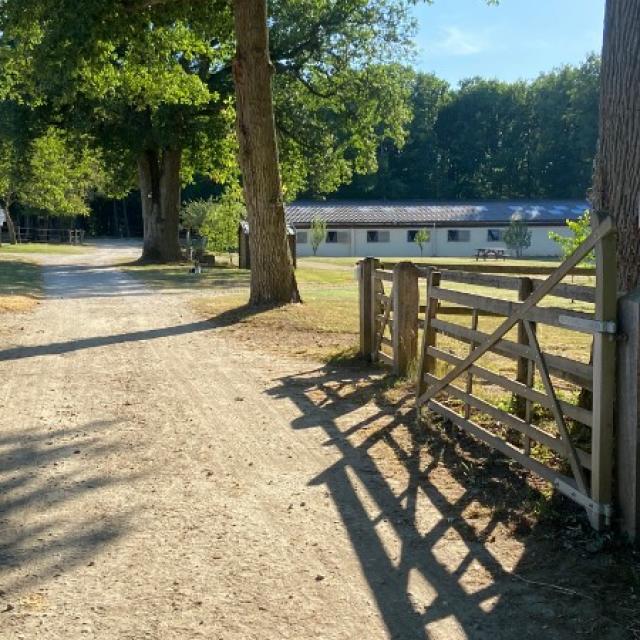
pixel 468 559
pixel 227 318
pixel 105 281
pixel 39 538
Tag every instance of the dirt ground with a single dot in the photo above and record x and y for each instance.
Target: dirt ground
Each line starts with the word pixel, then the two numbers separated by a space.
pixel 161 480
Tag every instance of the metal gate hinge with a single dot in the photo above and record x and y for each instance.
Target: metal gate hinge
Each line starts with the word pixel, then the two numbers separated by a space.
pixel 594 326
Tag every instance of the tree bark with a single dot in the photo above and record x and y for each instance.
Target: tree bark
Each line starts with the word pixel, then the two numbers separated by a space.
pixel 159 181
pixel 272 274
pixel 616 184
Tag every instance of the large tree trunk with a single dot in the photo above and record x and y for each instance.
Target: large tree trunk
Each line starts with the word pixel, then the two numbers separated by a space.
pixel 616 187
pixel 159 180
pixel 272 275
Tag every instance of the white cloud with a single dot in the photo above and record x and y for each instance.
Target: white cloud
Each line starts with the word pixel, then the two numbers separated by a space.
pixel 454 41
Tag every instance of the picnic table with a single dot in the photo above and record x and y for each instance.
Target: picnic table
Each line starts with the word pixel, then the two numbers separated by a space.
pixel 495 253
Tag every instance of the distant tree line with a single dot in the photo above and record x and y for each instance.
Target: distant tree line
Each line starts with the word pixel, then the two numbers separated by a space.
pixel 492 139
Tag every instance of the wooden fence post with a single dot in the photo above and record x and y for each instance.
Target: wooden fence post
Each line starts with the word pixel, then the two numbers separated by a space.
pixel 366 268
pixel 628 415
pixel 604 370
pixel 405 305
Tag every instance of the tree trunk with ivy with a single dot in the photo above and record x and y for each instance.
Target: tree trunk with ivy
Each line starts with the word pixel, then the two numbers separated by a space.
pixel 159 181
pixel 616 185
pixel 272 276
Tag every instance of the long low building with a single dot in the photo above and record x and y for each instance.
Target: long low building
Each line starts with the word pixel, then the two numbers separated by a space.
pixel 457 229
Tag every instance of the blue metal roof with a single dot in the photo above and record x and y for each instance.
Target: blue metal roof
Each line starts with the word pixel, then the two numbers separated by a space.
pixel 415 213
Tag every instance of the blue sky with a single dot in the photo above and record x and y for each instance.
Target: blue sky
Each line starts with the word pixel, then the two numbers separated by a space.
pixel 516 39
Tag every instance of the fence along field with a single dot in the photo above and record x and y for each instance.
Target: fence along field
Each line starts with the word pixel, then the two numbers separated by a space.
pixel 505 358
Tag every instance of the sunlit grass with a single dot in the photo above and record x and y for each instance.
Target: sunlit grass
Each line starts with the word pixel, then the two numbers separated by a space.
pixel 44 248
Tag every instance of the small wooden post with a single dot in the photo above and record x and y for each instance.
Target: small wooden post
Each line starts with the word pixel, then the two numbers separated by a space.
pixel 604 354
pixel 366 269
pixel 628 415
pixel 405 305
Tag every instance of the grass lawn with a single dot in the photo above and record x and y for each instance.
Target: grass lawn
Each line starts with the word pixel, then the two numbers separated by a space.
pixel 513 262
pixel 43 248
pixel 326 325
pixel 226 277
pixel 20 285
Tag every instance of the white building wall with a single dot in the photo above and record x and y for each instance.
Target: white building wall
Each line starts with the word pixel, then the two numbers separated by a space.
pixel 354 243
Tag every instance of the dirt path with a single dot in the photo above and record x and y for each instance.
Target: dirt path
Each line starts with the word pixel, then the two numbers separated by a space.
pixel 157 482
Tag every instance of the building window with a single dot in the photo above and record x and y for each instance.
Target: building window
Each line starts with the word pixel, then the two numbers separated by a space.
pixel 458 235
pixel 495 235
pixel 301 237
pixel 377 236
pixel 412 233
pixel 337 237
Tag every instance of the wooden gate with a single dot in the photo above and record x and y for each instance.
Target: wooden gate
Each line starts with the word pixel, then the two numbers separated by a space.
pixel 588 479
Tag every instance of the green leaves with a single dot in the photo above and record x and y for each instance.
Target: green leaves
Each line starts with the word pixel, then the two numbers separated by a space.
pixel 580 230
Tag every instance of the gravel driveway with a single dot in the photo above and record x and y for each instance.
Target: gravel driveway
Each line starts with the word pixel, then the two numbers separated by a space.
pixel 159 482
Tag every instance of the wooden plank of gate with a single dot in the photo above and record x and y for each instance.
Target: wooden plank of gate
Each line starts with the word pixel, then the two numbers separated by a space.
pixel 526 428
pixel 518 388
pixel 578 373
pixel 494 441
pixel 603 229
pixel 380 330
pixel 578 472
pixel 554 316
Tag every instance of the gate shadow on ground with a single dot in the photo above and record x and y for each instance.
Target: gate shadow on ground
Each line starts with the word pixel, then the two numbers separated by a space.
pixel 478 592
pixel 40 536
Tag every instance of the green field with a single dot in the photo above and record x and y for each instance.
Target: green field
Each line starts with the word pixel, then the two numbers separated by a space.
pixel 43 248
pixel 511 262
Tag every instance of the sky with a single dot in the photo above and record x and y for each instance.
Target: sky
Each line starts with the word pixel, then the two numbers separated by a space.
pixel 517 39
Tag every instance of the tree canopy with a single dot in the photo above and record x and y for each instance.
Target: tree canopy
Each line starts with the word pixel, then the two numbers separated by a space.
pixel 492 139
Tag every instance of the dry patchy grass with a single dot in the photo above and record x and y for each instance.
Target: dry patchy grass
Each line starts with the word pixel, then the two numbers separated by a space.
pixel 20 285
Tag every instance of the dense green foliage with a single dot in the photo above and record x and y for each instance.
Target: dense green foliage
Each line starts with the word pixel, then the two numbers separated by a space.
pixel 147 76
pixel 491 139
pixel 220 227
pixel 215 219
pixel 43 168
